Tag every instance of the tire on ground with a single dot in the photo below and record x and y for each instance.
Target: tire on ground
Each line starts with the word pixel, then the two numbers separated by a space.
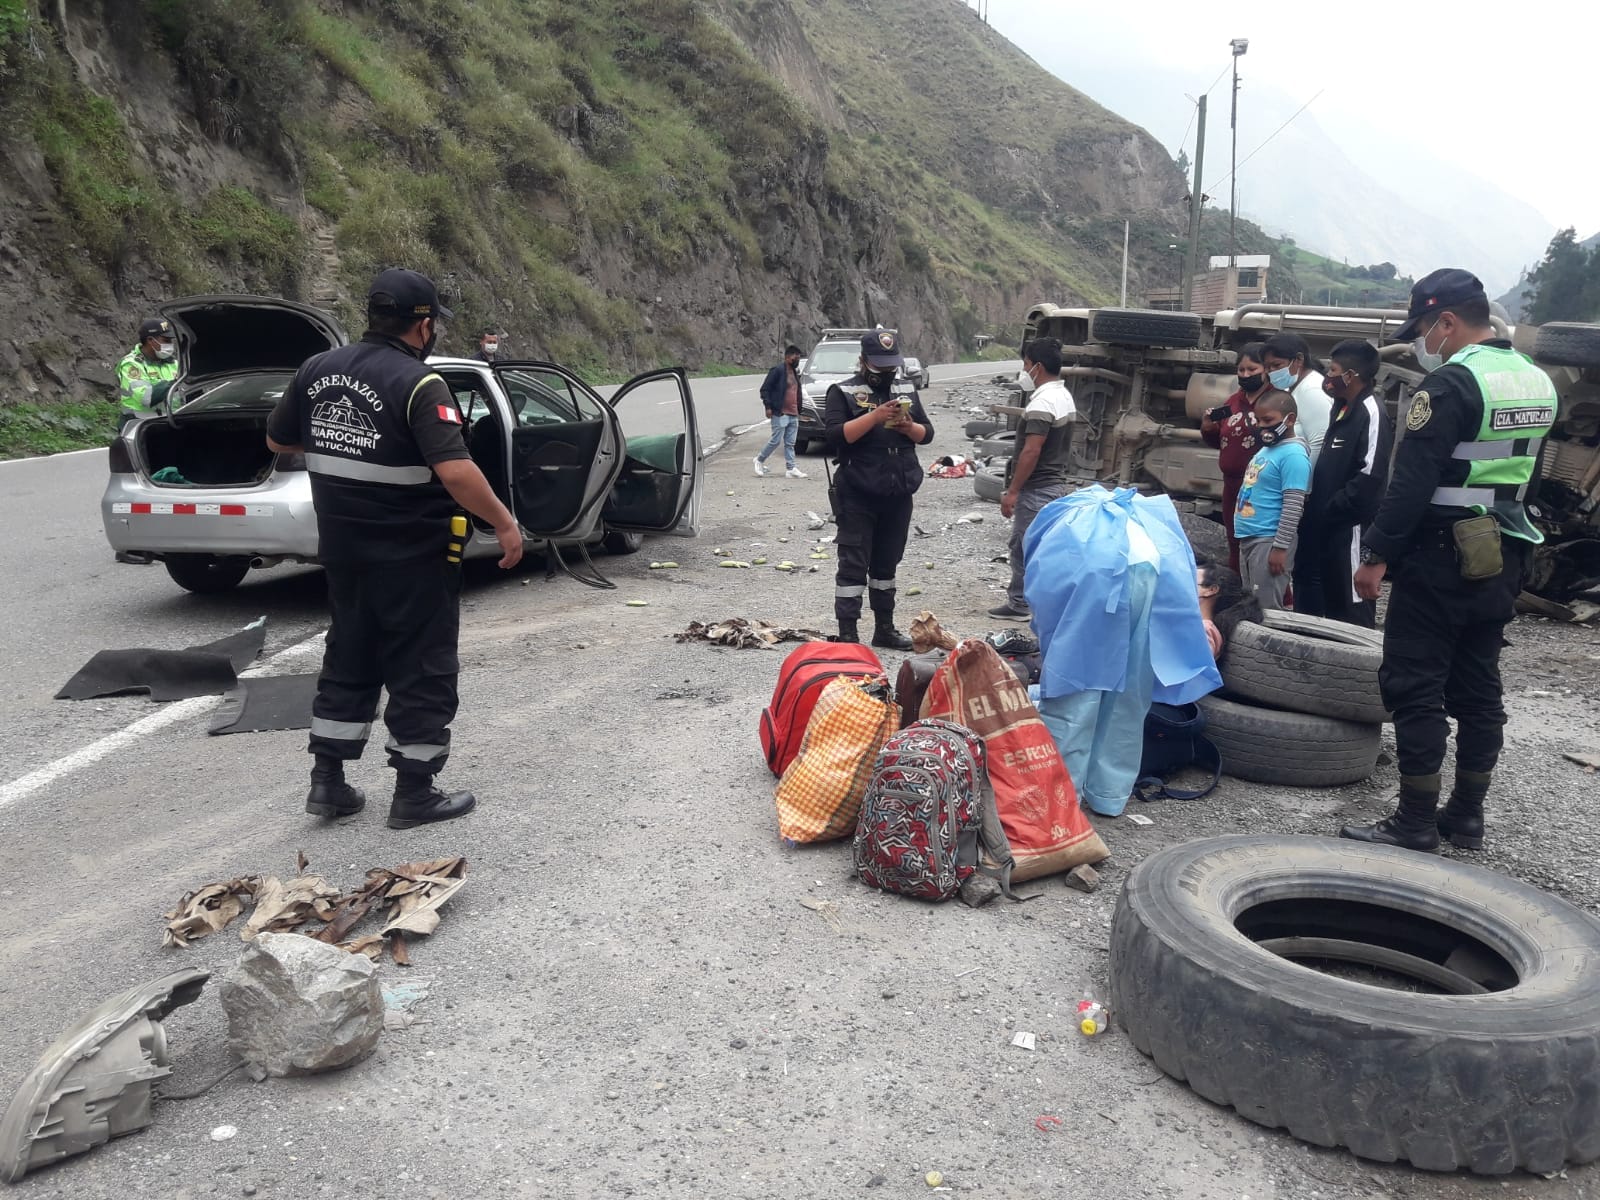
pixel 1568 344
pixel 1141 327
pixel 206 574
pixel 1490 1082
pixel 982 427
pixel 1207 538
pixel 1002 441
pixel 990 482
pixel 1308 665
pixel 1268 745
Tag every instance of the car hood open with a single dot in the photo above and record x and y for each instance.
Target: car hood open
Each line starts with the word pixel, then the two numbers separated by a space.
pixel 231 335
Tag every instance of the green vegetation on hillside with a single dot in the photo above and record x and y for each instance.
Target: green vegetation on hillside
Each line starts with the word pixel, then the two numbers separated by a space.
pixel 1566 284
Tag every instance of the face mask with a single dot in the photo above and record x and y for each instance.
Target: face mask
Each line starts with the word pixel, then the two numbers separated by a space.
pixel 880 380
pixel 166 351
pixel 1271 435
pixel 1283 379
pixel 1426 359
pixel 433 339
pixel 1251 383
pixel 490 350
pixel 1025 381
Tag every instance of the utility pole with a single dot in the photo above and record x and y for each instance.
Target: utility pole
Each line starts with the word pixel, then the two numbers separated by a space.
pixel 1239 46
pixel 1196 202
pixel 1125 225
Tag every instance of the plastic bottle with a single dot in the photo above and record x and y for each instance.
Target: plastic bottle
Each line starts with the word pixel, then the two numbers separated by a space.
pixel 1091 1015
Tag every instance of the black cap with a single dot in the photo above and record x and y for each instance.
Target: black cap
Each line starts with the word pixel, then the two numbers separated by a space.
pixel 401 293
pixel 881 348
pixel 155 327
pixel 1439 289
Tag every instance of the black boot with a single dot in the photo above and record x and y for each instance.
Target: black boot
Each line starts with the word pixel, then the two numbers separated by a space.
pixel 848 632
pixel 1461 822
pixel 886 637
pixel 1412 826
pixel 330 795
pixel 418 802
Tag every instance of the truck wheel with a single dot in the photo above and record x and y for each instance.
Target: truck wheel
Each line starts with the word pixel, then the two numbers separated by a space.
pixel 990 482
pixel 206 574
pixel 1267 745
pixel 999 442
pixel 1307 664
pixel 1568 344
pixel 622 541
pixel 1207 538
pixel 1142 327
pixel 1483 1057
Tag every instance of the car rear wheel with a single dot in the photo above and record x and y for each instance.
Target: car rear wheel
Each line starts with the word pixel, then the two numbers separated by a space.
pixel 206 574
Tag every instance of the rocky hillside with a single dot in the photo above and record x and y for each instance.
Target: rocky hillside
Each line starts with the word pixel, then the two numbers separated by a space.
pixel 615 183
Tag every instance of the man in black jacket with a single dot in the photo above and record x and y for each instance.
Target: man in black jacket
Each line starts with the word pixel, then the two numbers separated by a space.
pixel 1347 485
pixel 780 396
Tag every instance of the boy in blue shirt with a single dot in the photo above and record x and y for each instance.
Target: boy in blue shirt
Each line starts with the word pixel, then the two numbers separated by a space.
pixel 1271 499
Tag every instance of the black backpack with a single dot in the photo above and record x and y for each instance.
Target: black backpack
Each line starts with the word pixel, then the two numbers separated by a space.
pixel 1175 738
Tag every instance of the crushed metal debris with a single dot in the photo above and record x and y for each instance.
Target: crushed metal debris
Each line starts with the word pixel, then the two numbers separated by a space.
pixel 745 634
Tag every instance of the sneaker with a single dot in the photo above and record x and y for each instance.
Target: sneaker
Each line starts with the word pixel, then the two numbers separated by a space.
pixel 761 467
pixel 794 473
pixel 1007 613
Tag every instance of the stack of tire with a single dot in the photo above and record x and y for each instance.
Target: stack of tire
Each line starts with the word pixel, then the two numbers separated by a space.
pixel 1300 703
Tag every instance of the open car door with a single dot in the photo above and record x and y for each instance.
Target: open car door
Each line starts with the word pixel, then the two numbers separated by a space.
pixel 565 449
pixel 658 489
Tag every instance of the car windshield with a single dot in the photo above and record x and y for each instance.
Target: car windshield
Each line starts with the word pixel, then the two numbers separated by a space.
pixel 839 359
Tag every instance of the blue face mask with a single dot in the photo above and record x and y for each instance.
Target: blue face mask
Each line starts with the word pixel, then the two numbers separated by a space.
pixel 1283 379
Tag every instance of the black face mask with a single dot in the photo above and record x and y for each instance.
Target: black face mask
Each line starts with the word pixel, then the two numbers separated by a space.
pixel 1251 383
pixel 433 340
pixel 880 380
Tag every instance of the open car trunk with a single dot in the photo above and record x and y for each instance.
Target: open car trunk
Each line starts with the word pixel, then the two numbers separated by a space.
pixel 220 440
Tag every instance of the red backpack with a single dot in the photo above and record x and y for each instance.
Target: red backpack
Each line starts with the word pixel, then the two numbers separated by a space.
pixel 801 679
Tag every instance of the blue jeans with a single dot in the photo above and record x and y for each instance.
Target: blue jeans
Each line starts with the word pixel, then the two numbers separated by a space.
pixel 784 429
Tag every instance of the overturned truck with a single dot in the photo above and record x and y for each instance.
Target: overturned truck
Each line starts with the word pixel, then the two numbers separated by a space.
pixel 1142 380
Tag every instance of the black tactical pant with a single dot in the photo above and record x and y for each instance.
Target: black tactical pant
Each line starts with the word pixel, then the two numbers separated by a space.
pixel 1441 654
pixel 1324 575
pixel 871 541
pixel 394 626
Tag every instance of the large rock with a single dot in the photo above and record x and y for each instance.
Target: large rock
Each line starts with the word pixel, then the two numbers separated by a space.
pixel 297 1006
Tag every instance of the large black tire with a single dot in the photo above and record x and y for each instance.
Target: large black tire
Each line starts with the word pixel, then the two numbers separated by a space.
pixel 990 482
pixel 1267 745
pixel 1002 441
pixel 1568 344
pixel 1491 1082
pixel 981 427
pixel 1308 665
pixel 206 574
pixel 1143 327
pixel 1207 538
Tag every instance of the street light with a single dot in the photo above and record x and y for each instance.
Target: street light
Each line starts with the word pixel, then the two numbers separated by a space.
pixel 1239 46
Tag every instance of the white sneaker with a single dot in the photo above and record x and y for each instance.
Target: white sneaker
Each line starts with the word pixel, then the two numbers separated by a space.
pixel 795 473
pixel 761 467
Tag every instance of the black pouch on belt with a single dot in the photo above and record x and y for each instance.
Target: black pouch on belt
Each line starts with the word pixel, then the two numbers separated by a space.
pixel 1478 548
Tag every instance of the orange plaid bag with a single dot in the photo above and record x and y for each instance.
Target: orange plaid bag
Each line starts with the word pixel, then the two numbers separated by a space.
pixel 819 796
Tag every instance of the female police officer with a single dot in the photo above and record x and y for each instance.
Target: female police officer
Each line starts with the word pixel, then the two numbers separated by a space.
pixel 874 424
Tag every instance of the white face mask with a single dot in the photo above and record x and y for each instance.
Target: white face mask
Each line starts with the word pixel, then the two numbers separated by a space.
pixel 1426 359
pixel 490 349
pixel 1025 381
pixel 166 351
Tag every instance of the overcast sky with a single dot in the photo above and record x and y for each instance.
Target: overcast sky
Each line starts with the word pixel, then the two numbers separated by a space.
pixel 1510 91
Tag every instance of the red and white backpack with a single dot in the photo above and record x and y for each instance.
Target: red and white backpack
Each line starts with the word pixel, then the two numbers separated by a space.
pixel 929 820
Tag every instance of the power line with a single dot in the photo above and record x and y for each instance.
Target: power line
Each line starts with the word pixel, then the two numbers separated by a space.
pixel 1264 145
pixel 1184 144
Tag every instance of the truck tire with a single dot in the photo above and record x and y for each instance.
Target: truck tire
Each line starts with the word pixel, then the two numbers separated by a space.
pixel 1568 344
pixel 1207 538
pixel 1309 665
pixel 1143 327
pixel 206 574
pixel 990 482
pixel 1268 745
pixel 1494 1076
pixel 999 442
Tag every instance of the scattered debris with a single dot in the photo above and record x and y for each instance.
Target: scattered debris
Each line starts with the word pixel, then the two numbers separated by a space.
pixel 1047 1123
pixel 819 554
pixel 933 1178
pixel 928 634
pixel 1083 877
pixel 913 591
pixel 206 670
pixel 1024 1040
pixel 1588 759
pixel 977 890
pixel 733 562
pixel 297 1006
pixel 281 907
pixel 1579 612
pixel 828 911
pixel 815 520
pixel 1139 819
pixel 663 566
pixel 920 531
pixel 970 519
pixel 638 604
pixel 208 910
pixel 785 565
pixel 400 1000
pixel 745 634
pixel 927 566
pixel 223 1133
pixel 758 562
pixel 267 704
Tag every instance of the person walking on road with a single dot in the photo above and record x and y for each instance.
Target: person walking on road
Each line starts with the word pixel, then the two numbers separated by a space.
pixel 1042 464
pixel 1454 528
pixel 145 373
pixel 1346 488
pixel 1272 497
pixel 780 396
pixel 874 423
pixel 389 470
pixel 1231 428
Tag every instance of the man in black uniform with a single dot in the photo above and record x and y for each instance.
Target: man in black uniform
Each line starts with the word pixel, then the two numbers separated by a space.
pixel 1454 527
pixel 390 472
pixel 874 423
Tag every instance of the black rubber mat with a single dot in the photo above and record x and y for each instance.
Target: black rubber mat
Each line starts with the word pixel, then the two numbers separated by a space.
pixel 207 670
pixel 266 703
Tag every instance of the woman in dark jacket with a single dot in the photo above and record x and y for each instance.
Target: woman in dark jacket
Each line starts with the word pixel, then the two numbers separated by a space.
pixel 1231 428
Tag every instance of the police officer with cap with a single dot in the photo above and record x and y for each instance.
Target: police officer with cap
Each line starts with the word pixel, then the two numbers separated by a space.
pixel 390 474
pixel 874 423
pixel 1454 537
pixel 145 373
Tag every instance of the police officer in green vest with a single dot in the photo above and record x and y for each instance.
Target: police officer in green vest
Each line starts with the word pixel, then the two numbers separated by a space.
pixel 146 372
pixel 1454 538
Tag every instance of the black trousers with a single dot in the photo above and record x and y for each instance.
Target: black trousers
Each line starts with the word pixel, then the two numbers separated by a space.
pixel 394 626
pixel 871 541
pixel 1441 655
pixel 1324 575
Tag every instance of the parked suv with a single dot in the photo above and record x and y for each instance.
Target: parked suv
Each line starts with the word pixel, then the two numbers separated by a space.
pixel 833 359
pixel 195 488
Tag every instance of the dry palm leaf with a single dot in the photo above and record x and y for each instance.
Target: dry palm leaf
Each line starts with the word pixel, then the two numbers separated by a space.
pixel 928 634
pixel 208 909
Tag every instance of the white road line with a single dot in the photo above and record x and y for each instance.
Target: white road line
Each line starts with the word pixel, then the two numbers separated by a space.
pixel 9 462
pixel 169 714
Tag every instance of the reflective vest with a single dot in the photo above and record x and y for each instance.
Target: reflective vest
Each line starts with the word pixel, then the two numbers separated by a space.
pixel 1519 406
pixel 137 377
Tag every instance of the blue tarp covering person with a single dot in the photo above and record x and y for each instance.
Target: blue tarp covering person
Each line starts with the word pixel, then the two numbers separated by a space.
pixel 1111 581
